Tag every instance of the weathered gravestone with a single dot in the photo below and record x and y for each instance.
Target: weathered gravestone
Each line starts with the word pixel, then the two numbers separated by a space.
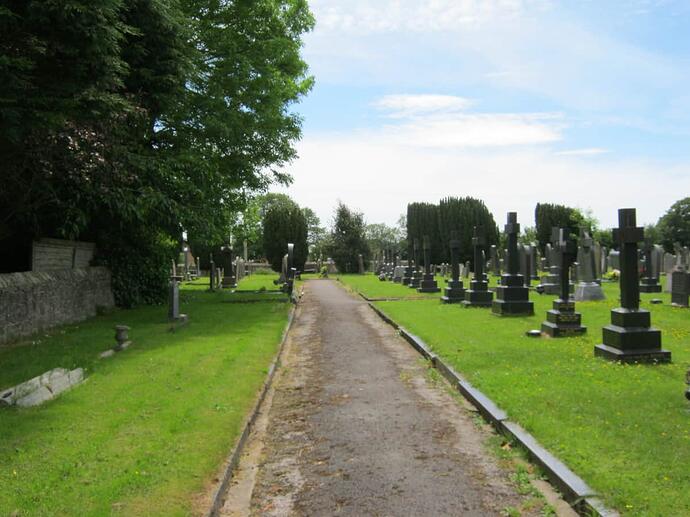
pixel 649 283
pixel 562 320
pixel 174 314
pixel 587 288
pixel 478 295
pixel 680 288
pixel 604 262
pixel 290 271
pixel 454 291
pixel 512 297
pixel 212 274
pixel 416 279
pixel 360 263
pixel 495 261
pixel 428 284
pixel 614 259
pixel 409 270
pixel 535 260
pixel 630 337
pixel 525 265
pixel 229 279
pixel 550 281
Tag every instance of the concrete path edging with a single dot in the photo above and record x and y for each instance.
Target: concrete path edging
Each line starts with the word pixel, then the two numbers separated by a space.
pixel 582 498
pixel 234 457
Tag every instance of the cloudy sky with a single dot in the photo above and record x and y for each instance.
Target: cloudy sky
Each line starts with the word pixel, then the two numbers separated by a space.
pixel 585 103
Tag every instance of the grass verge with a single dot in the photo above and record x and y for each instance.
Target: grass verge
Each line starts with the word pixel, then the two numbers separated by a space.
pixel 151 426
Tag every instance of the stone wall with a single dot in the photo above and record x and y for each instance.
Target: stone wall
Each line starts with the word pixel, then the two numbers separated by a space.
pixel 34 301
pixel 57 254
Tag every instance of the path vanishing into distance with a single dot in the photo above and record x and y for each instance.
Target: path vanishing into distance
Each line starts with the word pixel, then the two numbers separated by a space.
pixel 353 425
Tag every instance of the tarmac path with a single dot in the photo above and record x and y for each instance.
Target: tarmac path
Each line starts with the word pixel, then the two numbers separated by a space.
pixel 353 425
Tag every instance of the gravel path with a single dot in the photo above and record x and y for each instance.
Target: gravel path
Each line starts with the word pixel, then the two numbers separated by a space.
pixel 353 426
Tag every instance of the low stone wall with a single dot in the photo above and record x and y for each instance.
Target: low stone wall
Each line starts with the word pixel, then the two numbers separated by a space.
pixel 34 301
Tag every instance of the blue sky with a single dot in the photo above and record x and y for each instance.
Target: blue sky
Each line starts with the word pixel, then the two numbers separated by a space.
pixel 585 103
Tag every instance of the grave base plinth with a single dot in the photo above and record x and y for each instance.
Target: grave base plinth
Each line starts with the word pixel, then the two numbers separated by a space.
pixel 563 321
pixel 428 285
pixel 453 293
pixel 630 338
pixel 512 298
pixel 478 295
pixel 649 285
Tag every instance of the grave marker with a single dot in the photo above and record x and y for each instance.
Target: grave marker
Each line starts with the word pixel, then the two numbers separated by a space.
pixel 454 291
pixel 427 284
pixel 478 295
pixel 512 297
pixel 630 337
pixel 649 283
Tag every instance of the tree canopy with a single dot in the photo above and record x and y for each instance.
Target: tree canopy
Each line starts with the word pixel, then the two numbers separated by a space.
pixel 348 239
pixel 674 225
pixel 127 114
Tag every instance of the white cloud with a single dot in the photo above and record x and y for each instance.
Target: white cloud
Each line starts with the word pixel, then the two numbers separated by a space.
pixel 385 16
pixel 441 121
pixel 589 151
pixel 378 176
pixel 406 105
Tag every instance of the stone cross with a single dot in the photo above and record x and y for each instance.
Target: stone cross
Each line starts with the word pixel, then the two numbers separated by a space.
pixel 427 255
pixel 512 229
pixel 627 235
pixel 566 251
pixel 478 243
pixel 647 249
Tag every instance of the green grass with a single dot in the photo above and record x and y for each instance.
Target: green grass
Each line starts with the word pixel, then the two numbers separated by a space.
pixel 149 429
pixel 624 428
pixel 370 286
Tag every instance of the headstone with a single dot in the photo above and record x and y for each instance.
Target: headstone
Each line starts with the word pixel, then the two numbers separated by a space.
pixel 227 259
pixel 454 291
pixel 562 320
pixel 495 261
pixel 290 271
pixel 360 263
pixel 604 262
pixel 649 283
pixel 524 265
pixel 478 295
pixel 428 284
pixel 534 263
pixel 212 274
pixel 587 289
pixel 416 279
pixel 630 337
pixel 680 288
pixel 466 269
pixel 512 297
pixel 614 259
pixel 550 283
pixel 174 303
pixel 409 270
pixel 657 261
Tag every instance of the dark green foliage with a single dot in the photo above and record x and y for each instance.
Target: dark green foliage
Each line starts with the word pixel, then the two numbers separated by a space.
pixel 138 116
pixel 285 223
pixel 423 219
pixel 140 263
pixel 348 240
pixel 674 225
pixel 548 215
pixel 380 237
pixel 461 215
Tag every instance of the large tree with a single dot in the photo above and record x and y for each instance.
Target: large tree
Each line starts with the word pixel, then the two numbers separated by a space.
pixel 283 224
pixel 348 239
pixel 127 114
pixel 460 216
pixel 674 225
pixel 548 216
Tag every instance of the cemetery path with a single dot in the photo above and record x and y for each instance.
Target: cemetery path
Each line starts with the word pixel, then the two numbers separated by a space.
pixel 356 426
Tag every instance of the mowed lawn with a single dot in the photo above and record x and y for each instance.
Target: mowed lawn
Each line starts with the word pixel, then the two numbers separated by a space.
pixel 149 429
pixel 370 286
pixel 624 429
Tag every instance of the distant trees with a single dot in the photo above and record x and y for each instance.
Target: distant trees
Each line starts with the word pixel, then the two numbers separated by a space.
pixel 285 223
pixel 461 215
pixel 674 225
pixel 380 236
pixel 548 216
pixel 451 215
pixel 348 239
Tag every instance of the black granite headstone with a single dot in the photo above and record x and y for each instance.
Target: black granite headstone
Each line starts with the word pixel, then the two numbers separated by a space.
pixel 418 273
pixel 562 320
pixel 512 297
pixel 409 270
pixel 680 288
pixel 428 284
pixel 478 295
pixel 229 280
pixel 454 291
pixel 630 337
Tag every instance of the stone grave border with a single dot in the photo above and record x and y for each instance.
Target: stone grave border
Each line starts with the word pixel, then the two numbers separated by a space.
pixel 575 491
pixel 233 459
